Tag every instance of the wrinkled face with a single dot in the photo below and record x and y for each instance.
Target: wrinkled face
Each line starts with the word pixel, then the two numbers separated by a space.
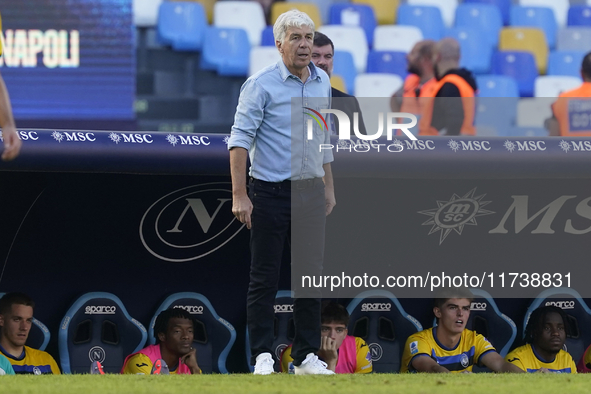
pixel 179 336
pixel 16 324
pixel 453 315
pixel 296 48
pixel 322 58
pixel 335 331
pixel 553 334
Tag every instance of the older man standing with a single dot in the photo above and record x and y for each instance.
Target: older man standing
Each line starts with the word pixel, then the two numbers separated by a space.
pixel 291 189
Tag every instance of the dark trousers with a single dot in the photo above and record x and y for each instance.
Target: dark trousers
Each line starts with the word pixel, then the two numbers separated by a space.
pixel 282 210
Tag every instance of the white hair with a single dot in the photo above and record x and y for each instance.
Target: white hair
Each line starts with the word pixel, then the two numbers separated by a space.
pixel 291 18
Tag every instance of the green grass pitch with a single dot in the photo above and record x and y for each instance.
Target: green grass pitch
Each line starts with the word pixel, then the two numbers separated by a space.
pixel 281 383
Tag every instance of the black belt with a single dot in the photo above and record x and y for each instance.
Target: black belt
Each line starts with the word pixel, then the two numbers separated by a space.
pixel 289 184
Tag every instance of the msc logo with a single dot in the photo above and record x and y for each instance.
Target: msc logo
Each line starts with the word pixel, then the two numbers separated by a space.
pixel 130 138
pixel 100 310
pixel 97 353
pixel 192 309
pixel 478 306
pixel 455 214
pixel 189 223
pixel 285 308
pixel 375 307
pixel 77 136
pixel 376 351
pixel 561 304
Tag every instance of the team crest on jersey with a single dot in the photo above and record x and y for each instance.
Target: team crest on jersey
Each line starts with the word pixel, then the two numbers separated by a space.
pixel 464 360
pixel 414 347
pixel 36 371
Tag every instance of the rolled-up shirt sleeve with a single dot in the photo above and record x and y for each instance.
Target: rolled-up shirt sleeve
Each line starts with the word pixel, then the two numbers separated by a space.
pixel 249 115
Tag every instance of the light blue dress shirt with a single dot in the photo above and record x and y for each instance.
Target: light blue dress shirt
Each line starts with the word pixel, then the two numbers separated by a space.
pixel 271 123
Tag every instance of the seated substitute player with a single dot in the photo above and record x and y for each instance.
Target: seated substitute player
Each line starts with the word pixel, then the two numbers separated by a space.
pixel 545 335
pixel 450 347
pixel 16 318
pixel 342 353
pixel 173 330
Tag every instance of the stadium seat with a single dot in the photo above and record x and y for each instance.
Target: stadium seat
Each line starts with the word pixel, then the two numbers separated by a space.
pixel 553 85
pixel 447 8
pixel 97 327
pixel 385 11
pixel 378 318
pixel 559 7
pixel 145 12
pixel 578 313
pixel 247 15
pixel 532 112
pixel 267 37
pixel 538 17
pixel 389 62
pixel 496 86
pixel 227 51
pixel 337 82
pixel 39 334
pixel 396 38
pixel 322 5
pixel 579 15
pixel 344 65
pixel 475 53
pixel 377 85
pixel 182 25
pixel 284 331
pixel 565 63
pixel 520 66
pixel 504 7
pixel 354 15
pixel 574 39
pixel 213 336
pixel 261 57
pixel 208 6
pixel 528 132
pixel 484 17
pixel 496 113
pixel 426 18
pixel 311 9
pixel 526 39
pixel 349 38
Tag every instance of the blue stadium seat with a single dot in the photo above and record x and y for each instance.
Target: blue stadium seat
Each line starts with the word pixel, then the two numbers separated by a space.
pixel 504 7
pixel 227 51
pixel 267 38
pixel 539 17
pixel 497 113
pixel 344 66
pixel 284 331
pixel 378 318
pixel 519 65
pixel 426 18
pixel 486 18
pixel 390 62
pixel 39 334
pixel 496 86
pixel 213 336
pixel 475 53
pixel 97 327
pixel 565 63
pixel 182 25
pixel 576 38
pixel 579 15
pixel 361 15
pixel 527 132
pixel 577 311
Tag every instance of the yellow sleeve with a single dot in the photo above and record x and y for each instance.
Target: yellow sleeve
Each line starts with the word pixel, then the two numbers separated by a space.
pixel 364 364
pixel 481 346
pixel 513 358
pixel 573 365
pixel 286 359
pixel 415 344
pixel 139 364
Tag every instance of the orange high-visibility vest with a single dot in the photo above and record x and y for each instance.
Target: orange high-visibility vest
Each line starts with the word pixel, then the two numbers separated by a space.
pixel 573 111
pixel 467 95
pixel 410 104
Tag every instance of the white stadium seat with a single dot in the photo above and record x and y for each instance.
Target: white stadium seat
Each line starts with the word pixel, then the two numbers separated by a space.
pixel 553 85
pixel 396 38
pixel 351 39
pixel 560 8
pixel 145 12
pixel 374 92
pixel 261 57
pixel 447 8
pixel 247 15
pixel 532 112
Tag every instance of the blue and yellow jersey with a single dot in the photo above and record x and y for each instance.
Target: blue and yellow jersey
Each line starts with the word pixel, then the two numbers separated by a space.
pixel 140 364
pixel 359 363
pixel 462 357
pixel 5 367
pixel 32 361
pixel 526 358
